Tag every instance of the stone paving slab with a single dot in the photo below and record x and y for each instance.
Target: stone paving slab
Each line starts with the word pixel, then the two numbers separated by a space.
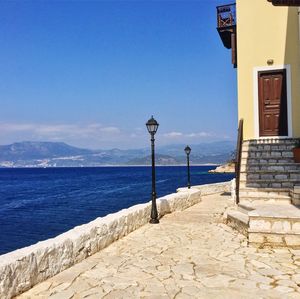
pixel 190 254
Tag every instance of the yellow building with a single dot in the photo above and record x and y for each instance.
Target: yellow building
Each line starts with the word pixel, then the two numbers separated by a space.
pixel 265 39
pixel 263 36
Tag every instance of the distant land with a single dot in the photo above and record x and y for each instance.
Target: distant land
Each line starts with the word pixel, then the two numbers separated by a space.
pixel 60 154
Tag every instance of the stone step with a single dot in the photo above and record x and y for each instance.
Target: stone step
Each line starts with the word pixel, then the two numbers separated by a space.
pixel 245 208
pixel 257 176
pixel 270 141
pixel 258 198
pixel 267 185
pixel 280 163
pixel 274 225
pixel 275 219
pixel 276 154
pixel 272 171
pixel 269 174
pixel 265 195
pixel 246 161
pixel 264 192
pixel 270 149
pixel 274 240
pixel 271 183
pixel 286 167
pixel 238 221
pixel 265 200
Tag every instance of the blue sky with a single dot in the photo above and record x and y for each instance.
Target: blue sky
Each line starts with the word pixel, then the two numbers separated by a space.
pixel 91 73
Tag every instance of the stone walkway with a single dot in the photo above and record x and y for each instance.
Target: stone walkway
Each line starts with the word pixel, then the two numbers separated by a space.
pixel 190 254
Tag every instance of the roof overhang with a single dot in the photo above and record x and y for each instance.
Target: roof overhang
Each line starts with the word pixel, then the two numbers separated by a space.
pixel 285 2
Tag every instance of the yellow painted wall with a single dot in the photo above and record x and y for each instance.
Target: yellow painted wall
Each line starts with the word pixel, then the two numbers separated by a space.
pixel 266 32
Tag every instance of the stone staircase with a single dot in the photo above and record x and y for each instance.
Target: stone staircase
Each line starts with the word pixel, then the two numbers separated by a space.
pixel 267 212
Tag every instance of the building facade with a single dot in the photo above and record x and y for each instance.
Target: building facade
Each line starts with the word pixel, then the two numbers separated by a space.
pixel 264 38
pixel 268 74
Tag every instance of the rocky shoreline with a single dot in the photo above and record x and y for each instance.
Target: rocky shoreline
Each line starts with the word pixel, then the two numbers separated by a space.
pixel 225 168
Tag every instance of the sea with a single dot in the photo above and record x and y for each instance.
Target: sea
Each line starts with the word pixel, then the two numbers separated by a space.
pixel 40 203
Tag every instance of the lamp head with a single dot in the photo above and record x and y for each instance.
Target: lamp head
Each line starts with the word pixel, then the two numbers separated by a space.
pixel 152 125
pixel 187 150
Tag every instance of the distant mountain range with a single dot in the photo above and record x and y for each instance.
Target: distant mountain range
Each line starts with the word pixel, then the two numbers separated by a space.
pixel 59 154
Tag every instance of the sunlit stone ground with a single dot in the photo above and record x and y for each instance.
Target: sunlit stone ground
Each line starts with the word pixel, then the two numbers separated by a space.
pixel 190 254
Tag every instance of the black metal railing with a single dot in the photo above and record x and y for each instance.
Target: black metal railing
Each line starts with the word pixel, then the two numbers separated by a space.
pixel 226 15
pixel 238 158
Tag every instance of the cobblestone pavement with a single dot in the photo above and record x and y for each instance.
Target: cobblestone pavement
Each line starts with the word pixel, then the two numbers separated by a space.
pixel 190 254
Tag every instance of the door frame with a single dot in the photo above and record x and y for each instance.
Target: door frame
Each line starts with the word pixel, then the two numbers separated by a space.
pixel 256 70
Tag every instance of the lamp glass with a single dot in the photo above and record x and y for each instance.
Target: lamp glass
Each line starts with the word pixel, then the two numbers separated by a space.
pixel 152 125
pixel 187 150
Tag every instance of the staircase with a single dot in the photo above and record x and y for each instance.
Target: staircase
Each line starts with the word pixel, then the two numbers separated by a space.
pixel 267 212
pixel 268 171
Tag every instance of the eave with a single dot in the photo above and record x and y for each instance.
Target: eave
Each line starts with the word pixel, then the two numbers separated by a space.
pixel 285 2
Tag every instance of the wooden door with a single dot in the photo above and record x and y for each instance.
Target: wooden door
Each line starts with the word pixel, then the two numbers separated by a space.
pixel 272 95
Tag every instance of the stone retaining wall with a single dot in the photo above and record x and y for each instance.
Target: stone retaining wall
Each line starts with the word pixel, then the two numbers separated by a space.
pixel 23 268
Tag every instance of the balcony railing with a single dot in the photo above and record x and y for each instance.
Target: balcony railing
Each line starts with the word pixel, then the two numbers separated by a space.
pixel 226 15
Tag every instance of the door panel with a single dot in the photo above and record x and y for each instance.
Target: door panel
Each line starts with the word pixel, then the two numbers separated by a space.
pixel 272 97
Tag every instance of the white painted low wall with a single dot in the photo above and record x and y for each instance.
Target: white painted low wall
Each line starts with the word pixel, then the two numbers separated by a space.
pixel 21 269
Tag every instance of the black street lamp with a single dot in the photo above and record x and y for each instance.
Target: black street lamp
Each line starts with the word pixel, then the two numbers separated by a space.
pixel 188 151
pixel 152 126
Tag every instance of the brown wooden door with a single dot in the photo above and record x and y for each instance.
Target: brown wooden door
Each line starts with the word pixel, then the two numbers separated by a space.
pixel 272 97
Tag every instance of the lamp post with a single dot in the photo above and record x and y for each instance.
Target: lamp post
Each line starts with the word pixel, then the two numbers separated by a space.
pixel 188 151
pixel 152 126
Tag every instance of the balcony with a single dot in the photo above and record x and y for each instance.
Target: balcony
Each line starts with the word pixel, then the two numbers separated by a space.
pixel 226 26
pixel 226 16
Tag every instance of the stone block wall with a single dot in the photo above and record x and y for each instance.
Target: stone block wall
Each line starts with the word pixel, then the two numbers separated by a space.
pixel 22 269
pixel 296 195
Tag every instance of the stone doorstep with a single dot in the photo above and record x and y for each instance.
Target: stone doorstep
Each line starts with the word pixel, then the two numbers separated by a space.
pixel 296 202
pixel 265 239
pixel 264 192
pixel 275 219
pixel 238 215
pixel 249 197
pixel 272 225
pixel 263 201
pixel 264 196
pixel 238 221
pixel 296 189
pixel 245 208
pixel 284 211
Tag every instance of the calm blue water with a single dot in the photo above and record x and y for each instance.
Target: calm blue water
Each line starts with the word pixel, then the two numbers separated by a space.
pixel 37 204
